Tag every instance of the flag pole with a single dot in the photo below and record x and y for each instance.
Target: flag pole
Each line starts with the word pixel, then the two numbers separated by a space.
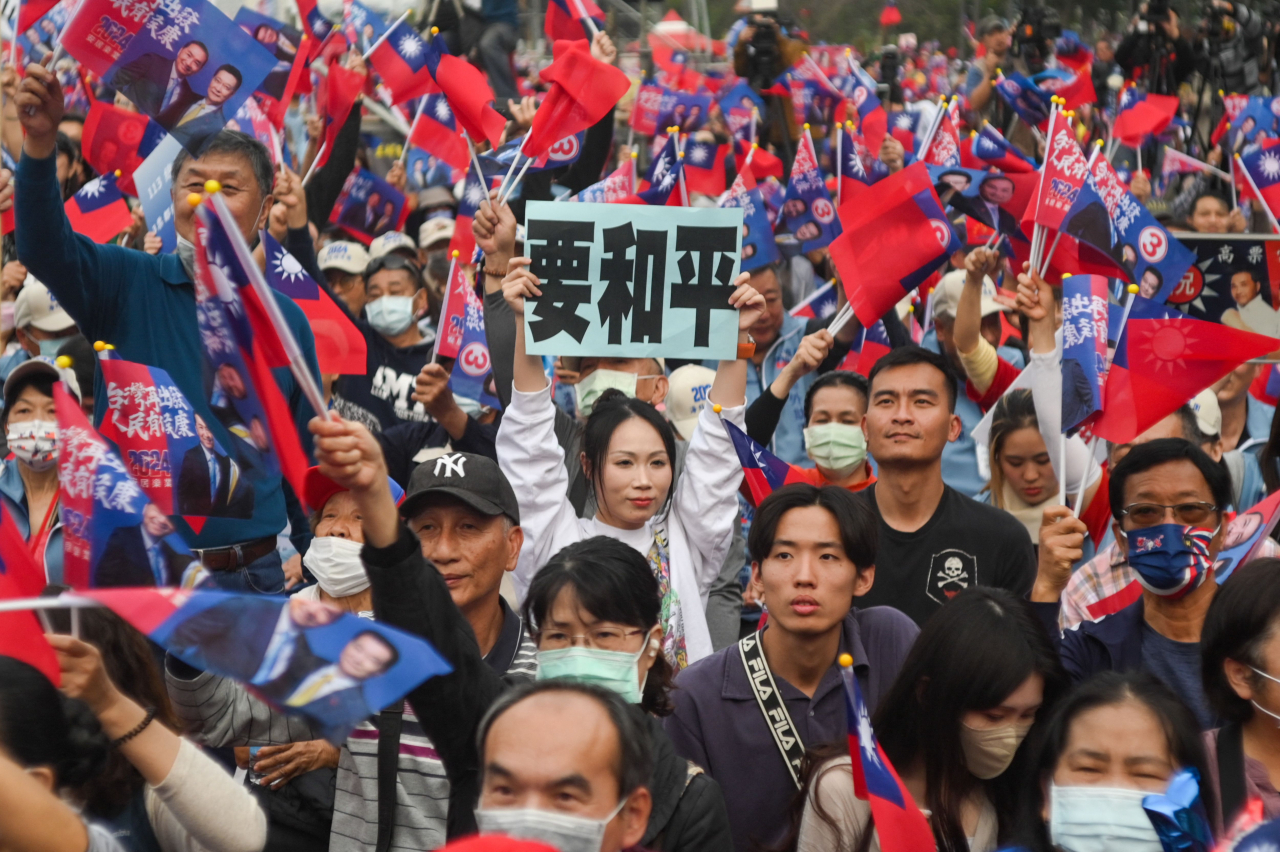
pixel 1048 258
pixel 475 161
pixel 383 37
pixel 839 161
pixel 514 160
pixel 1091 446
pixel 448 284
pixel 634 178
pixel 503 198
pixel 1254 187
pixel 314 162
pixel 1231 179
pixel 1138 149
pixel 684 191
pixel 584 18
pixel 404 155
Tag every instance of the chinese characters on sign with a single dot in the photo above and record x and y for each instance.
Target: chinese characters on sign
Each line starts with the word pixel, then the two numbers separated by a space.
pixel 624 280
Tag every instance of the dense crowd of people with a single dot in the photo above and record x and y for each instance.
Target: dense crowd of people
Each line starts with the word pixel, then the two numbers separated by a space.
pixel 645 651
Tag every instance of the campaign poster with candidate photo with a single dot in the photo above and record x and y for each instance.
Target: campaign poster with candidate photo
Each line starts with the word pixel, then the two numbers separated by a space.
pixel 280 39
pixel 41 38
pixel 369 206
pixel 1235 280
pixel 190 68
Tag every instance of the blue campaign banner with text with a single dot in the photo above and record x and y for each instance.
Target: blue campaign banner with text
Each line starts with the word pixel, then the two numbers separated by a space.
pixel 633 281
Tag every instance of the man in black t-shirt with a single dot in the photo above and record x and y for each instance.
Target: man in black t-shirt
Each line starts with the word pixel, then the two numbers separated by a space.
pixel 934 541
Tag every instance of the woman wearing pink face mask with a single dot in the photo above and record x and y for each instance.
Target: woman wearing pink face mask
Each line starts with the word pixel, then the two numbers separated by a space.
pixel 29 480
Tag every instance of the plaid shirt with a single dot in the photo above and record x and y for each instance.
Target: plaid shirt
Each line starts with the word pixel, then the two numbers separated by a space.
pixel 1106 584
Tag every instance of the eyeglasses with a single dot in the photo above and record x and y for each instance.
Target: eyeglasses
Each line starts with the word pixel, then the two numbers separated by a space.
pixel 604 638
pixel 1188 514
pixel 391 261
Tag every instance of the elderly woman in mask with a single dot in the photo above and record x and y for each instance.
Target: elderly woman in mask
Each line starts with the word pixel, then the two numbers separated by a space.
pixel 29 481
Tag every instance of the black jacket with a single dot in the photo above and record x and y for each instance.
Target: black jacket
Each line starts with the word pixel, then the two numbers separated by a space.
pixel 688 815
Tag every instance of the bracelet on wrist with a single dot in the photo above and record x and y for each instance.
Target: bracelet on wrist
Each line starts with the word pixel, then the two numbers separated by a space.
pixel 137 729
pixel 487 271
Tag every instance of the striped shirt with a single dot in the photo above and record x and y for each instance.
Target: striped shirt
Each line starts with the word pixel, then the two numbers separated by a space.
pixel 221 713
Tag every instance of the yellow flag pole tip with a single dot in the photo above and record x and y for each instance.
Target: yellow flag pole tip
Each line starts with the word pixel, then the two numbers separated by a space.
pixel 716 408
pixel 63 362
pixel 806 125
pixel 635 154
pixel 1132 288
pixel 680 156
pixel 455 254
pixel 118 173
pixel 111 347
pixel 435 31
pixel 212 186
pixel 194 199
pixel 99 345
pixel 846 660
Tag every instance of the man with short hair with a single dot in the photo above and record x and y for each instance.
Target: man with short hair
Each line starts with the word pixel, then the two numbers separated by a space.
pixel 40 324
pixel 590 762
pixel 206 116
pixel 434 238
pixel 1246 420
pixel 145 304
pixel 812 551
pixel 934 541
pixel 1251 311
pixel 996 37
pixel 161 87
pixel 343 264
pixel 1169 500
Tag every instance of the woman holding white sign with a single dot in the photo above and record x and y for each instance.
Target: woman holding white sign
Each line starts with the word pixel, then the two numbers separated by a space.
pixel 628 449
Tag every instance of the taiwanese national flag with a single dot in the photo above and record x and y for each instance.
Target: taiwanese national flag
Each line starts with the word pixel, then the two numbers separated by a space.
pixel 1074 88
pixel 869 346
pixel 903 126
pixel 895 236
pixel 873 121
pixel 990 148
pixel 661 183
pixel 900 825
pixel 116 139
pixel 1263 166
pixel 1142 115
pixel 454 311
pixel 1162 360
pixel 1072 53
pixel 340 347
pixel 1232 106
pixel 238 333
pixel 468 92
pixel 758 246
pixel 763 472
pixel 98 210
pixel 107 508
pixel 316 25
pixel 1175 162
pixel 401 61
pixel 763 164
pixel 435 132
pixel 583 90
pixel 336 97
pixel 851 168
pixel 704 167
pixel 474 191
pixel 566 20
pixel 298 75
pixel 819 304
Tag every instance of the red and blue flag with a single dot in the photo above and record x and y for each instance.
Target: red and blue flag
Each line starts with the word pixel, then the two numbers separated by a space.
pixel 704 167
pixel 453 312
pixel 992 149
pixel 435 131
pixel 870 344
pixel 763 472
pixel 758 246
pixel 498 162
pixel 900 826
pixel 737 103
pixel 401 61
pixel 472 375
pixel 617 188
pixel 647 107
pixel 944 147
pixel 661 181
pixel 567 19
pixel 810 214
pixel 317 26
pixel 98 210
pixel 475 189
pixel 873 121
pixel 468 92
pixel 1024 97
pixel 852 166
pixel 819 304
pixel 1263 166
pixel 1075 88
pixel 583 90
pixel 1140 115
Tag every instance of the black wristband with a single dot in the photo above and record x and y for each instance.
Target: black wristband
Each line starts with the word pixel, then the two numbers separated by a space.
pixel 139 728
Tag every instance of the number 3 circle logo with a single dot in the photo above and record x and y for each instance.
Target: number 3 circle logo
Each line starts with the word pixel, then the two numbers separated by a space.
pixel 823 210
pixel 941 231
pixel 1153 244
pixel 474 359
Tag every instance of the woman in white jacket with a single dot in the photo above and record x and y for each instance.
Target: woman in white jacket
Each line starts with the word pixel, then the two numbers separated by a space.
pixel 628 453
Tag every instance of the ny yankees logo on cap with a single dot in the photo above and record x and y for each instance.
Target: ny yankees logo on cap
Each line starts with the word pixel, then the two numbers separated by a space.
pixel 451 464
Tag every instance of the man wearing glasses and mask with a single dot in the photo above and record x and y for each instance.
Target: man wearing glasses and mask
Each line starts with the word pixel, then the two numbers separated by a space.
pixel 1168 499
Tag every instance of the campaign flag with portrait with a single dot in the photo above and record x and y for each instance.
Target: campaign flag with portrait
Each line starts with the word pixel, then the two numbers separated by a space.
pixel 281 40
pixel 1245 534
pixel 617 187
pixel 1234 280
pixel 737 103
pixel 809 212
pixel 116 139
pixel 154 179
pixel 40 27
pixel 647 107
pixel 454 311
pixel 758 246
pixel 368 206
pixel 1024 98
pixel 182 62
pixel 472 374
pixel 894 238
pixel 496 163
pixel 340 346
pixel 333 669
pixel 1084 347
pixel 113 535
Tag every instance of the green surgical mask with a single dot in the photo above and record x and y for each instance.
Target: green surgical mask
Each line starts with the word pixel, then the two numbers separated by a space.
pixel 615 671
pixel 595 383
pixel 837 447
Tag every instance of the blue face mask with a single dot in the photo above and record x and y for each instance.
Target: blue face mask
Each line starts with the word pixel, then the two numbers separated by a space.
pixel 390 315
pixel 49 348
pixel 1171 560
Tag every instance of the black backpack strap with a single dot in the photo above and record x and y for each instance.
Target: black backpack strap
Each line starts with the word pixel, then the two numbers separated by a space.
pixel 1231 770
pixel 774 709
pixel 389 723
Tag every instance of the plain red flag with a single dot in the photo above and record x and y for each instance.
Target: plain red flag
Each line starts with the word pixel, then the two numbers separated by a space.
pixel 583 89
pixel 340 90
pixel 1145 118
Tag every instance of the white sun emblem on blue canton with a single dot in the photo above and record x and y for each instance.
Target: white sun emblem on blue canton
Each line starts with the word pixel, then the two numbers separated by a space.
pixel 867 737
pixel 441 110
pixel 410 45
pixel 1270 166
pixel 94 188
pixel 287 266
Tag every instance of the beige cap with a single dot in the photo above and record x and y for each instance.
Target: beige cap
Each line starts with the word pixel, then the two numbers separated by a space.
pixel 36 306
pixel 349 257
pixel 436 196
pixel 690 386
pixel 946 296
pixel 1208 412
pixel 392 241
pixel 436 229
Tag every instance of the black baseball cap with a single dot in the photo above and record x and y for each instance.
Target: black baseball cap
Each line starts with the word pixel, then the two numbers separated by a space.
pixel 474 479
pixel 992 24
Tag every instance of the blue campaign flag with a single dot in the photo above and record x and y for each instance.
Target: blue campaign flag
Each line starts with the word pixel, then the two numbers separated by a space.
pixel 1084 347
pixel 737 103
pixel 758 246
pixel 563 153
pixel 154 180
pixel 1257 121
pixel 472 375
pixel 991 146
pixel 362 25
pixel 1024 97
pixel 810 215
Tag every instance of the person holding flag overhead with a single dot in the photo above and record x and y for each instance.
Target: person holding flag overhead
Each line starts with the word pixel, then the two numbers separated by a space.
pixel 145 305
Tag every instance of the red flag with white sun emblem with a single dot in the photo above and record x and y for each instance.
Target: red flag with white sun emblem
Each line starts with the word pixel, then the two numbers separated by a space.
pixel 1164 359
pixel 1263 169
pixel 340 347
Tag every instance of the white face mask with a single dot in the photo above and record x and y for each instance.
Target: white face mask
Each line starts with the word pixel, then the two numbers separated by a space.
pixel 187 254
pixel 1100 819
pixel 335 563
pixel 595 383
pixel 34 442
pixel 565 832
